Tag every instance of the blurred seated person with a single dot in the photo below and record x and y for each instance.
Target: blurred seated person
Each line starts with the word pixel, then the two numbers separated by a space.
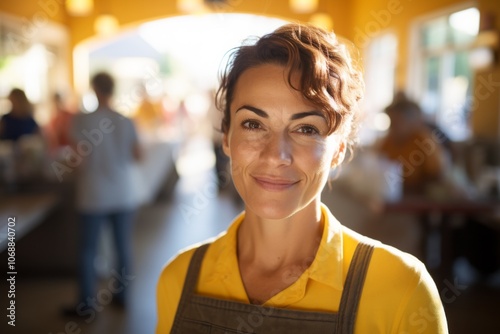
pixel 58 129
pixel 19 121
pixel 416 146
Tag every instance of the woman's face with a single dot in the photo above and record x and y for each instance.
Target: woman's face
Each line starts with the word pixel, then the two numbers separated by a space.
pixel 278 144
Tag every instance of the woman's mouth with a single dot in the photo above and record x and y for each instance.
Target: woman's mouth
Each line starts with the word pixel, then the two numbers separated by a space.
pixel 274 184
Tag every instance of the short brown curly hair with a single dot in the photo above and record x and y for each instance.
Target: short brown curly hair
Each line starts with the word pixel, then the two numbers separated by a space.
pixel 329 78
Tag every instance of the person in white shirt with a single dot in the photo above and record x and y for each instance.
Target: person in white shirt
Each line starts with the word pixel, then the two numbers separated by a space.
pixel 108 146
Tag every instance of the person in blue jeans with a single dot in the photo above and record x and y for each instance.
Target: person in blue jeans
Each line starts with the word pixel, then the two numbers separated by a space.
pixel 105 148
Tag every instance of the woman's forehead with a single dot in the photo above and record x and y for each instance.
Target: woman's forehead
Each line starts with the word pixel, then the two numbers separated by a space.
pixel 268 77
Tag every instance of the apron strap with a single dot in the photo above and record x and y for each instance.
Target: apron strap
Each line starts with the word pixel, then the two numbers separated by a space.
pixel 190 282
pixel 353 288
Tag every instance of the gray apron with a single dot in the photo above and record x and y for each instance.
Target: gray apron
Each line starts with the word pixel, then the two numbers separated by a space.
pixel 198 314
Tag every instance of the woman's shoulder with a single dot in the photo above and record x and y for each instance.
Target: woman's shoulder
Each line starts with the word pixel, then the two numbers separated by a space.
pixel 177 265
pixel 397 262
pixel 389 260
pixel 396 288
pixel 400 277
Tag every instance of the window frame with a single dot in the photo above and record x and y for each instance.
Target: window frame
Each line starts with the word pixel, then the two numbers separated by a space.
pixel 416 77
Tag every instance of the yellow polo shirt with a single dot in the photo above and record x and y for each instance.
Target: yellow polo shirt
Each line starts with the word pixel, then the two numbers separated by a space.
pixel 399 295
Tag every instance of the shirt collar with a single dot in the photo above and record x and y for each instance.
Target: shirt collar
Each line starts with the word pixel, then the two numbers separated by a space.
pixel 227 253
pixel 327 265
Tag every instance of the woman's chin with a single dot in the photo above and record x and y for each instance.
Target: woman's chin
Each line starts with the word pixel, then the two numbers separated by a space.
pixel 271 210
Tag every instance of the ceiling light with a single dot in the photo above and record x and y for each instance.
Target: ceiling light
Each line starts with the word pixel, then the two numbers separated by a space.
pixel 79 7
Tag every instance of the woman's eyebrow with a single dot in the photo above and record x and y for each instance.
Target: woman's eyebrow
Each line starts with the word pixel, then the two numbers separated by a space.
pixel 296 116
pixel 306 114
pixel 258 111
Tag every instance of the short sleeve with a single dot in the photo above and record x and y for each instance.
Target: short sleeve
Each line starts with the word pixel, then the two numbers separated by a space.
pixel 423 312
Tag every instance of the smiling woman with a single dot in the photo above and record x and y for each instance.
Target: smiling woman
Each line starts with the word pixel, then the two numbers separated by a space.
pixel 286 265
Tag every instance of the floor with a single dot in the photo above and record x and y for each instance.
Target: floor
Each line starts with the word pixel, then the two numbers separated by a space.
pixel 193 213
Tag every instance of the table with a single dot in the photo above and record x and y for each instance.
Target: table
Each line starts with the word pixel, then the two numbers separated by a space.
pixel 29 211
pixel 445 210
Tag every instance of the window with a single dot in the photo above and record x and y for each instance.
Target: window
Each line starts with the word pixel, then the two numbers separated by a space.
pixel 380 57
pixel 441 77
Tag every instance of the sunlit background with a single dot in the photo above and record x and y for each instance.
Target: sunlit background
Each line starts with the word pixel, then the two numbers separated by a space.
pixel 182 55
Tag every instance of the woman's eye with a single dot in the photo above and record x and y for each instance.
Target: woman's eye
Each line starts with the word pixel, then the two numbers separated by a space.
pixel 308 130
pixel 251 125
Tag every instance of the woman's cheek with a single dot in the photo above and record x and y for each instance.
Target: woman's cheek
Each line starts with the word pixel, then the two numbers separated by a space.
pixel 250 144
pixel 242 155
pixel 317 153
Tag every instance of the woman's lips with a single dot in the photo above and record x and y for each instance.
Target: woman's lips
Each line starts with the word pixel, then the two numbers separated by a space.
pixel 273 184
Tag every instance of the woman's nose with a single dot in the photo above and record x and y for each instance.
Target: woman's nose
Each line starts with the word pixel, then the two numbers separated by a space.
pixel 277 150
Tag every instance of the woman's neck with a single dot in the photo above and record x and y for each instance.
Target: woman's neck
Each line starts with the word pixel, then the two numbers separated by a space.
pixel 273 244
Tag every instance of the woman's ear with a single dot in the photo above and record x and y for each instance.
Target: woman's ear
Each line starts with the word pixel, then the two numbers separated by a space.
pixel 339 157
pixel 225 145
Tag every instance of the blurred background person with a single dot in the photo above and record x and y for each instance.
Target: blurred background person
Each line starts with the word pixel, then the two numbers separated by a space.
pixel 19 120
pixel 58 129
pixel 105 187
pixel 412 143
pixel 27 148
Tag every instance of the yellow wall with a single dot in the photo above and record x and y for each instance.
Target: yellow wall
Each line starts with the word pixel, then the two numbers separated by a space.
pixel 486 109
pixel 33 10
